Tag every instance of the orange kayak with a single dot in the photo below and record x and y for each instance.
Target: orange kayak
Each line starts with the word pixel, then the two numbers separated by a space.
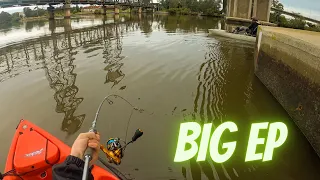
pixel 34 151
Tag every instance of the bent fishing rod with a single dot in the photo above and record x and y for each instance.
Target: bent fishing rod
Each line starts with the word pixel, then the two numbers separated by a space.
pixel 114 150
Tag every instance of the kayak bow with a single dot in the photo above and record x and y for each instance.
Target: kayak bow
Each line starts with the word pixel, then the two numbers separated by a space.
pixel 34 151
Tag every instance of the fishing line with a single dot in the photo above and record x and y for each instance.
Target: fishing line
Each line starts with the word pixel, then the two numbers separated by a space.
pixel 134 108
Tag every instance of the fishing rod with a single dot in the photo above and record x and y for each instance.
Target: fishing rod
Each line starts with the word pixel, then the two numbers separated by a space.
pixel 114 150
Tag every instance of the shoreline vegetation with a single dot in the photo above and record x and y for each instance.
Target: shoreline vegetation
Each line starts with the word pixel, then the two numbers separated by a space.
pixel 295 23
pixel 192 7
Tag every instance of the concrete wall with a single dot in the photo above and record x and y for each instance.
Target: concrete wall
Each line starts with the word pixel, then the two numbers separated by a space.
pixel 287 61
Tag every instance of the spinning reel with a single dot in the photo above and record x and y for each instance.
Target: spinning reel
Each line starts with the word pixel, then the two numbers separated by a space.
pixel 115 147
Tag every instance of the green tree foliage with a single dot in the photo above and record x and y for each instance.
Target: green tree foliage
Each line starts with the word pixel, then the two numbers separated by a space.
pixel 76 9
pixel 277 4
pixel 97 11
pixel 15 17
pixel 34 13
pixel 276 15
pixel 296 23
pixel 5 18
pixel 146 1
pixel 208 7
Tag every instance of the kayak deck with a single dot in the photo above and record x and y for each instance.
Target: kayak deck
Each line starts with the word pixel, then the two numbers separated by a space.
pixel 34 151
pixel 223 33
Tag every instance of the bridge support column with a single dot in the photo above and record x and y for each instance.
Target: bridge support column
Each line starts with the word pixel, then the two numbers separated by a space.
pixel 261 9
pixel 50 10
pixel 116 9
pixel 51 15
pixel 140 10
pixel 239 8
pixel 104 9
pixel 67 9
pixel 52 26
pixel 67 25
pixel 116 17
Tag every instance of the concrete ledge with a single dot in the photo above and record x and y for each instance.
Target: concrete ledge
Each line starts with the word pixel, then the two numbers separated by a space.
pixel 287 61
pixel 236 19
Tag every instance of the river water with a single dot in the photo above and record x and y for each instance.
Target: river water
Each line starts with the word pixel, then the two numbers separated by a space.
pixel 56 73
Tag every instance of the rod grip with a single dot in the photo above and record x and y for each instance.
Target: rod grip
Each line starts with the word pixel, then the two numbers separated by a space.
pixel 88 153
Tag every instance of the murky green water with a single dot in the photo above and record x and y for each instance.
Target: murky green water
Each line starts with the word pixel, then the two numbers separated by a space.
pixel 56 74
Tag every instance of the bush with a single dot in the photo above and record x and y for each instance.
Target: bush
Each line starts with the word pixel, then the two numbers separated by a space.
pixel 295 23
pixel 182 11
pixel 97 11
pixel 212 12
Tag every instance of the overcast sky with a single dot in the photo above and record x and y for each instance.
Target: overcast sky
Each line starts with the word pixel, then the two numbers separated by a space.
pixel 310 8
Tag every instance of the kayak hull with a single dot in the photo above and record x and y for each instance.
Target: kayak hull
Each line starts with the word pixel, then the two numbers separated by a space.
pixel 34 151
pixel 223 33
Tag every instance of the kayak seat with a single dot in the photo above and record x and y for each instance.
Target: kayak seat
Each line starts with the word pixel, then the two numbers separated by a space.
pixel 34 152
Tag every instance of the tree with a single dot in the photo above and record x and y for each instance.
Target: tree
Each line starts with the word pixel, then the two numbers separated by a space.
pixel 277 4
pixel 5 18
pixel 173 3
pixel 28 12
pixel 15 17
pixel 77 8
pixel 34 13
pixel 164 4
pixel 146 1
pixel 208 7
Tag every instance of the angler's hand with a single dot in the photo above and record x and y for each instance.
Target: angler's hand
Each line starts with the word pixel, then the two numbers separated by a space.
pixel 84 140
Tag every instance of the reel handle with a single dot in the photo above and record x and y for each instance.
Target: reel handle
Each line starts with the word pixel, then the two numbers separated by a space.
pixel 137 135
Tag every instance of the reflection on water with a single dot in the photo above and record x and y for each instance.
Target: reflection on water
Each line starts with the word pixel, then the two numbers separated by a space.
pixel 29 25
pixel 217 77
pixel 59 72
pixel 154 56
pixel 112 55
